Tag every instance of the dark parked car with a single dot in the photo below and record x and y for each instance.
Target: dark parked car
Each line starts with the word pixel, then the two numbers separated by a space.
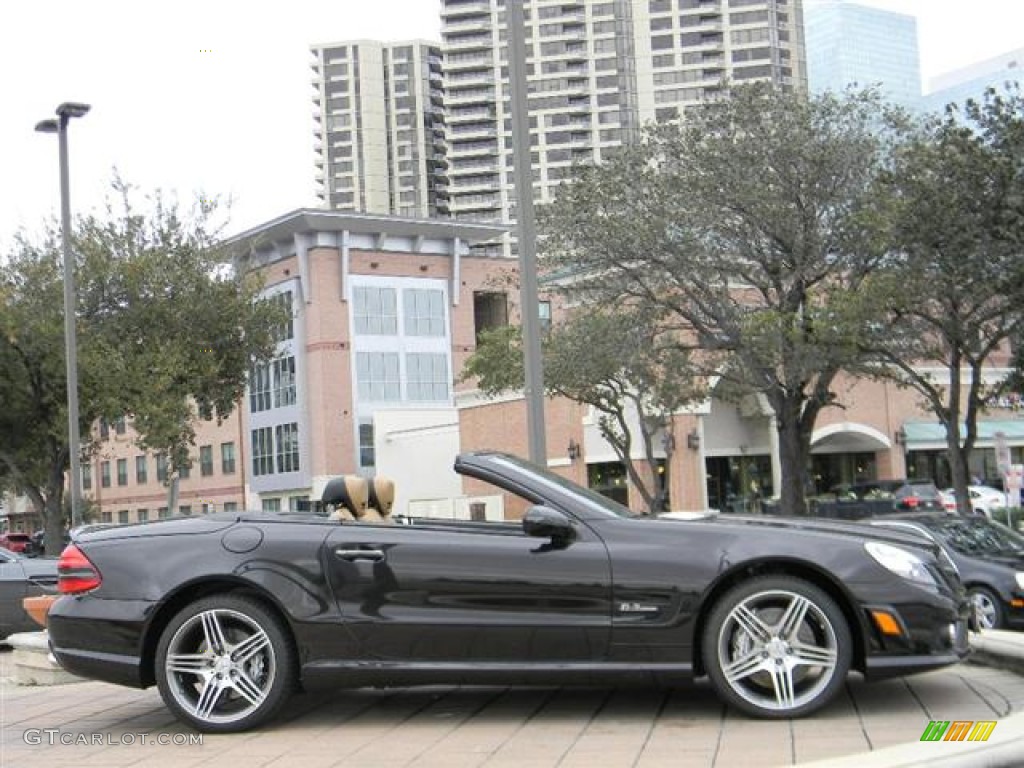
pixel 990 558
pixel 22 577
pixel 227 614
pixel 876 497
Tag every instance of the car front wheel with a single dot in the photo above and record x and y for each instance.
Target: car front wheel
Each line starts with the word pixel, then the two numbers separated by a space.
pixel 777 647
pixel 225 664
pixel 987 611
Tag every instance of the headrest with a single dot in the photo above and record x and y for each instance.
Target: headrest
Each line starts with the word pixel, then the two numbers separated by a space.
pixel 382 495
pixel 349 491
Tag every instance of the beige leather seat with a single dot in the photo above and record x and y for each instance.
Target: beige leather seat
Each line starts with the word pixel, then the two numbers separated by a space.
pixel 382 501
pixel 348 495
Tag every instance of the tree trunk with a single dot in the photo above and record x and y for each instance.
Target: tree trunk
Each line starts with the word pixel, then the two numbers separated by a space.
pixel 53 511
pixel 958 468
pixel 793 450
pixel 172 495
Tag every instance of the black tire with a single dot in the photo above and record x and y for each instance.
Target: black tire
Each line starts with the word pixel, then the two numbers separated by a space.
pixel 777 647
pixel 214 688
pixel 988 608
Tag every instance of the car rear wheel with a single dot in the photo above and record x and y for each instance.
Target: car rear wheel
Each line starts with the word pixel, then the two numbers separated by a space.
pixel 224 664
pixel 987 610
pixel 777 647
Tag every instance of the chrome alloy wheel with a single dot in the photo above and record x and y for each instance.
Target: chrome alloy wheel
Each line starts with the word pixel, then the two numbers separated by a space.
pixel 778 650
pixel 220 666
pixel 986 611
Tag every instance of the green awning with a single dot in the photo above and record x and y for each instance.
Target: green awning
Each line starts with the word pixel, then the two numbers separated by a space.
pixel 932 432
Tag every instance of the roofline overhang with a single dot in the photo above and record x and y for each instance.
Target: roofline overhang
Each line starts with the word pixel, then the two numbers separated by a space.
pixel 313 220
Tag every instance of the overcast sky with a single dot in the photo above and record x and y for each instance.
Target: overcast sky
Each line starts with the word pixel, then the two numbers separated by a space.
pixel 215 96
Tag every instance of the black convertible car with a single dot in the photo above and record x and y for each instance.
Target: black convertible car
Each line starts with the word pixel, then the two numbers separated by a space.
pixel 228 614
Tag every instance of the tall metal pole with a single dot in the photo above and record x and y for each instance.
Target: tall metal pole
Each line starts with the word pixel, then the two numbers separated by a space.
pixel 70 335
pixel 65 112
pixel 527 233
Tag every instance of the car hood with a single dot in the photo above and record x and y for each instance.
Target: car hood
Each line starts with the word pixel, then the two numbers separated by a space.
pixel 812 525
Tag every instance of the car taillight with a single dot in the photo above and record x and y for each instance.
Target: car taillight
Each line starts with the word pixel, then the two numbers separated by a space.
pixel 911 501
pixel 75 572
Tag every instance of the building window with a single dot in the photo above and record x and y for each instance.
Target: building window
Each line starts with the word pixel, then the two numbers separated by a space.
pixel 105 474
pixel 490 310
pixel 122 516
pixel 286 330
pixel 230 506
pixel 287 447
pixel 271 505
pixel 377 376
pixel 185 510
pixel 106 517
pixel 143 515
pixel 104 429
pixel 227 458
pixel 367 456
pixel 185 470
pixel 259 388
pixel 119 425
pixel 206 460
pixel 284 381
pixel 544 313
pixel 162 513
pixel 375 310
pixel 423 312
pixel 263 451
pixel 426 377
pixel 140 470
pixel 298 504
pixel 87 476
pixel 161 468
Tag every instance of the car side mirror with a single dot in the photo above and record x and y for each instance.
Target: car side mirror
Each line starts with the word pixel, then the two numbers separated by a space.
pixel 547 523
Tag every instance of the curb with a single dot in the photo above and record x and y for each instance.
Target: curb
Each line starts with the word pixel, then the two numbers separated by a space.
pixel 998 648
pixel 1005 749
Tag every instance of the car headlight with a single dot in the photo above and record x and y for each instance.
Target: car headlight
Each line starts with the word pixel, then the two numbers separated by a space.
pixel 901 562
pixel 1020 580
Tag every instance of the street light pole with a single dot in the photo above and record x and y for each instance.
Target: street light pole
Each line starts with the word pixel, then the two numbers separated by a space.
pixel 533 363
pixel 59 126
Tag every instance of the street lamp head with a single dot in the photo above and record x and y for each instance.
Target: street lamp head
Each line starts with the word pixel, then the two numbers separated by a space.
pixel 48 126
pixel 73 109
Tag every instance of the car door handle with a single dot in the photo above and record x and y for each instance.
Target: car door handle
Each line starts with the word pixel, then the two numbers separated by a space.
pixel 373 555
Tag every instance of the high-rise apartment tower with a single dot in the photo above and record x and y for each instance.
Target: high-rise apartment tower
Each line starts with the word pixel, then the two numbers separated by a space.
pixel 597 71
pixel 380 140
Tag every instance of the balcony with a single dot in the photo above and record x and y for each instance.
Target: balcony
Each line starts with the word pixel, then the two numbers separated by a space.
pixel 454 10
pixel 469 42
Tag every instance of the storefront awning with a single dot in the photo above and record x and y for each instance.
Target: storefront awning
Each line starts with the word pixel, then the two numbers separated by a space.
pixel 919 434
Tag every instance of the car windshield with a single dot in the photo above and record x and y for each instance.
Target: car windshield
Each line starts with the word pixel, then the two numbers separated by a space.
pixel 979 536
pixel 592 499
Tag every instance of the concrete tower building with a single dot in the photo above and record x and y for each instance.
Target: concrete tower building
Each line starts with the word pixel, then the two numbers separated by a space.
pixel 380 128
pixel 598 70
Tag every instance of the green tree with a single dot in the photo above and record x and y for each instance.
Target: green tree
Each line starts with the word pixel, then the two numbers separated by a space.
pixel 614 362
pixel 166 335
pixel 748 229
pixel 956 279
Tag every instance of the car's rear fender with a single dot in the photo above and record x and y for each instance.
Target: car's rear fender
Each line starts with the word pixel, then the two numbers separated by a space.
pixel 191 592
pixel 781 566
